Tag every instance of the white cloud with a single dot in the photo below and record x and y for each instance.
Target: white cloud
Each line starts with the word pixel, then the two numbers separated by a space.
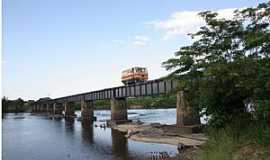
pixel 184 22
pixel 141 41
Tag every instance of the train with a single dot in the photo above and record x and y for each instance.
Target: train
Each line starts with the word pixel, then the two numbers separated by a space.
pixel 134 75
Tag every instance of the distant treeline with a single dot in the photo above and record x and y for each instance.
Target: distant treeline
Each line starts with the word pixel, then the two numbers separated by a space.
pixel 162 101
pixel 15 106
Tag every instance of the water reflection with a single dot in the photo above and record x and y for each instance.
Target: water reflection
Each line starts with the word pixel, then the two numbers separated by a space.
pixel 69 125
pixel 87 132
pixel 38 137
pixel 119 144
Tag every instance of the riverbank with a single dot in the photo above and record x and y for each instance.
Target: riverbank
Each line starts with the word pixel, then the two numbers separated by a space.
pixel 188 143
pixel 250 143
pixel 166 134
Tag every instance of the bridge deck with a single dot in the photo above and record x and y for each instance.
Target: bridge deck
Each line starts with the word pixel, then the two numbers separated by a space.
pixel 148 88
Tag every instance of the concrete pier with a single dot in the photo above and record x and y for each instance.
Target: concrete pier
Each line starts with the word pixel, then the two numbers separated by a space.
pixel 42 108
pixel 34 108
pixel 69 110
pixel 38 108
pixel 57 110
pixel 185 114
pixel 87 110
pixel 118 110
pixel 48 108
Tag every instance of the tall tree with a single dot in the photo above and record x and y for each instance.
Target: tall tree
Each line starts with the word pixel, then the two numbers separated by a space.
pixel 227 70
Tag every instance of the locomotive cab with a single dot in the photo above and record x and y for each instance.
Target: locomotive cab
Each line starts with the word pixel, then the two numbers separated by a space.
pixel 134 75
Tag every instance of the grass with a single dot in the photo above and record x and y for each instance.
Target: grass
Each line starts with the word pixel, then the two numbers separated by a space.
pixel 237 142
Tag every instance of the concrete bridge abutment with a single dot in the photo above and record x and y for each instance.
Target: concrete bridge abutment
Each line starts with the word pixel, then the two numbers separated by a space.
pixel 119 110
pixel 57 110
pixel 185 114
pixel 34 108
pixel 37 108
pixel 69 110
pixel 43 108
pixel 87 110
pixel 48 108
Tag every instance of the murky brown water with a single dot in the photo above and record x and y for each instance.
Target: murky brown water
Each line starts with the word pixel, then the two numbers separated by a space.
pixel 31 137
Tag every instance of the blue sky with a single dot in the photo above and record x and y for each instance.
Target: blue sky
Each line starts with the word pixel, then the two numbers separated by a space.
pixel 60 47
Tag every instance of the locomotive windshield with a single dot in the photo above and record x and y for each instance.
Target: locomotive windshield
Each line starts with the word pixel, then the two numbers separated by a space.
pixel 134 75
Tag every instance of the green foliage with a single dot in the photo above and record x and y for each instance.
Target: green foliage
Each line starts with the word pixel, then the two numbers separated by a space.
pixel 228 67
pixel 162 101
pixel 250 143
pixel 102 104
pixel 18 105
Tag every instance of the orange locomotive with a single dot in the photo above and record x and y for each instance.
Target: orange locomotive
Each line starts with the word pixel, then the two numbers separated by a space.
pixel 134 75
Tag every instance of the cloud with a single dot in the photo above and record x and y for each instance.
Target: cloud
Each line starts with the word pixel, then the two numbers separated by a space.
pixel 184 22
pixel 141 41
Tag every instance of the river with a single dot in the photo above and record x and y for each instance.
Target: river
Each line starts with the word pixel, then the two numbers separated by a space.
pixel 33 137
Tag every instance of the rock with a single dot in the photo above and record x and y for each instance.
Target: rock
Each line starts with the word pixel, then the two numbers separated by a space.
pixel 181 147
pixel 138 122
pixel 102 125
pixel 132 113
pixel 157 133
pixel 19 117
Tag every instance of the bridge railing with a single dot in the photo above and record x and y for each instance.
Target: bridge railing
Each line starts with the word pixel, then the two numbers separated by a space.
pixel 148 88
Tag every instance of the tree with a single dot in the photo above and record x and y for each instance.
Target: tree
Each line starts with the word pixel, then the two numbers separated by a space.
pixel 19 105
pixel 227 69
pixel 5 103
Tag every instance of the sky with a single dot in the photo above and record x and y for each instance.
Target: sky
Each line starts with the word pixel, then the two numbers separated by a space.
pixel 61 47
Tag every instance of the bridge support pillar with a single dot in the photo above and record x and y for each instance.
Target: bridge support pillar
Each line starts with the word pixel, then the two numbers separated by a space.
pixel 57 110
pixel 185 114
pixel 38 108
pixel 48 108
pixel 119 110
pixel 87 110
pixel 34 108
pixel 43 108
pixel 69 110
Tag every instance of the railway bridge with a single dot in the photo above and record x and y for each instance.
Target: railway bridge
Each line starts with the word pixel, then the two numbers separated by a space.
pixel 117 97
